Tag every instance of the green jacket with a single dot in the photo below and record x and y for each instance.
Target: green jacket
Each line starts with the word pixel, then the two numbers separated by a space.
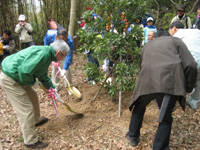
pixel 29 64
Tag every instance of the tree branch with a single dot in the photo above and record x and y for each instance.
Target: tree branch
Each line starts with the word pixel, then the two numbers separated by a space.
pixel 102 85
pixel 158 9
pixel 193 7
pixel 173 2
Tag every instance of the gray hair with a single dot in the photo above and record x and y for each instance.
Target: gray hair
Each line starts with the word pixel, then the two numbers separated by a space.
pixel 60 45
pixel 62 32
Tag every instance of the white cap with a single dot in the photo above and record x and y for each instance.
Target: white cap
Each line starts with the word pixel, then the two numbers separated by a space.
pixel 21 17
pixel 149 19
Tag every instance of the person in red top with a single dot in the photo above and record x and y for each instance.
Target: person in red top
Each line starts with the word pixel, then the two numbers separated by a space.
pixel 83 23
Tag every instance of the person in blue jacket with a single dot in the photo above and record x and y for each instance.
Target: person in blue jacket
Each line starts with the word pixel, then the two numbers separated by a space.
pixel 144 19
pixel 149 27
pixel 49 38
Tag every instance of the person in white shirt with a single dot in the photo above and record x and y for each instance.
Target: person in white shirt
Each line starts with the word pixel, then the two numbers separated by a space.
pixel 24 30
pixel 191 38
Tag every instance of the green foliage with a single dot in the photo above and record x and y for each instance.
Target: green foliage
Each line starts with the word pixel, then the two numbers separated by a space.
pixel 38 33
pixel 126 76
pixel 192 16
pixel 94 72
pixel 113 46
pixel 125 79
pixel 20 139
pixel 166 20
pixel 60 11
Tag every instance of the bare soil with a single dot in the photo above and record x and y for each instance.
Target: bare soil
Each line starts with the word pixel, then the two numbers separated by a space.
pixel 100 128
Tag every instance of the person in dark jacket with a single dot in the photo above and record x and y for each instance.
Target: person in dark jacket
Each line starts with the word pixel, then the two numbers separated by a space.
pixel 8 45
pixel 167 68
pixel 19 73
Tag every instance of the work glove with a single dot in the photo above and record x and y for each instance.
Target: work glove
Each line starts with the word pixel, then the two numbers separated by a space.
pixel 63 72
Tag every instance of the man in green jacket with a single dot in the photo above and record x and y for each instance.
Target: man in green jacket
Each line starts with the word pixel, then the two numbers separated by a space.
pixel 19 73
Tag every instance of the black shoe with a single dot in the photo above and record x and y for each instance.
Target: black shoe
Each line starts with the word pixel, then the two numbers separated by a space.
pixel 37 145
pixel 44 120
pixel 132 140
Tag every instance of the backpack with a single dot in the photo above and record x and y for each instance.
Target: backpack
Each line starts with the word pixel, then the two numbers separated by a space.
pixel 186 21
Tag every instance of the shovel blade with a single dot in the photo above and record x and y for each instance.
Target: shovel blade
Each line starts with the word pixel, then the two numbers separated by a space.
pixel 70 109
pixel 74 91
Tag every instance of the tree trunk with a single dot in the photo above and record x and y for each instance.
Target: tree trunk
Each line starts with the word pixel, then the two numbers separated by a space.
pixel 20 7
pixel 72 18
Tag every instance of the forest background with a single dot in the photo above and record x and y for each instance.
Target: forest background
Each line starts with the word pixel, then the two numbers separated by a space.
pixel 162 10
pixel 99 128
pixel 68 13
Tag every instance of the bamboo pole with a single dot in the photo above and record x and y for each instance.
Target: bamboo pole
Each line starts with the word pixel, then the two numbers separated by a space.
pixel 120 97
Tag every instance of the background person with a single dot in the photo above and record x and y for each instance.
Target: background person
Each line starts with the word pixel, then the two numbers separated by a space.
pixel 182 17
pixel 151 35
pixel 49 38
pixel 89 53
pixel 191 38
pixel 24 30
pixel 53 24
pixel 138 23
pixel 8 43
pixel 149 27
pixel 167 67
pixel 196 21
pixel 19 73
pixel 144 19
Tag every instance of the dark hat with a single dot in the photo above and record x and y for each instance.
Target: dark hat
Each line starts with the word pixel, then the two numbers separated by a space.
pixel 181 8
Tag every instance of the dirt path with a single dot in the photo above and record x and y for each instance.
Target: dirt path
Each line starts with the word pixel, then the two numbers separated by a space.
pixel 99 128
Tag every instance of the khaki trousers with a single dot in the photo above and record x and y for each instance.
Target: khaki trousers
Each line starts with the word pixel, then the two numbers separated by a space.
pixel 56 80
pixel 24 99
